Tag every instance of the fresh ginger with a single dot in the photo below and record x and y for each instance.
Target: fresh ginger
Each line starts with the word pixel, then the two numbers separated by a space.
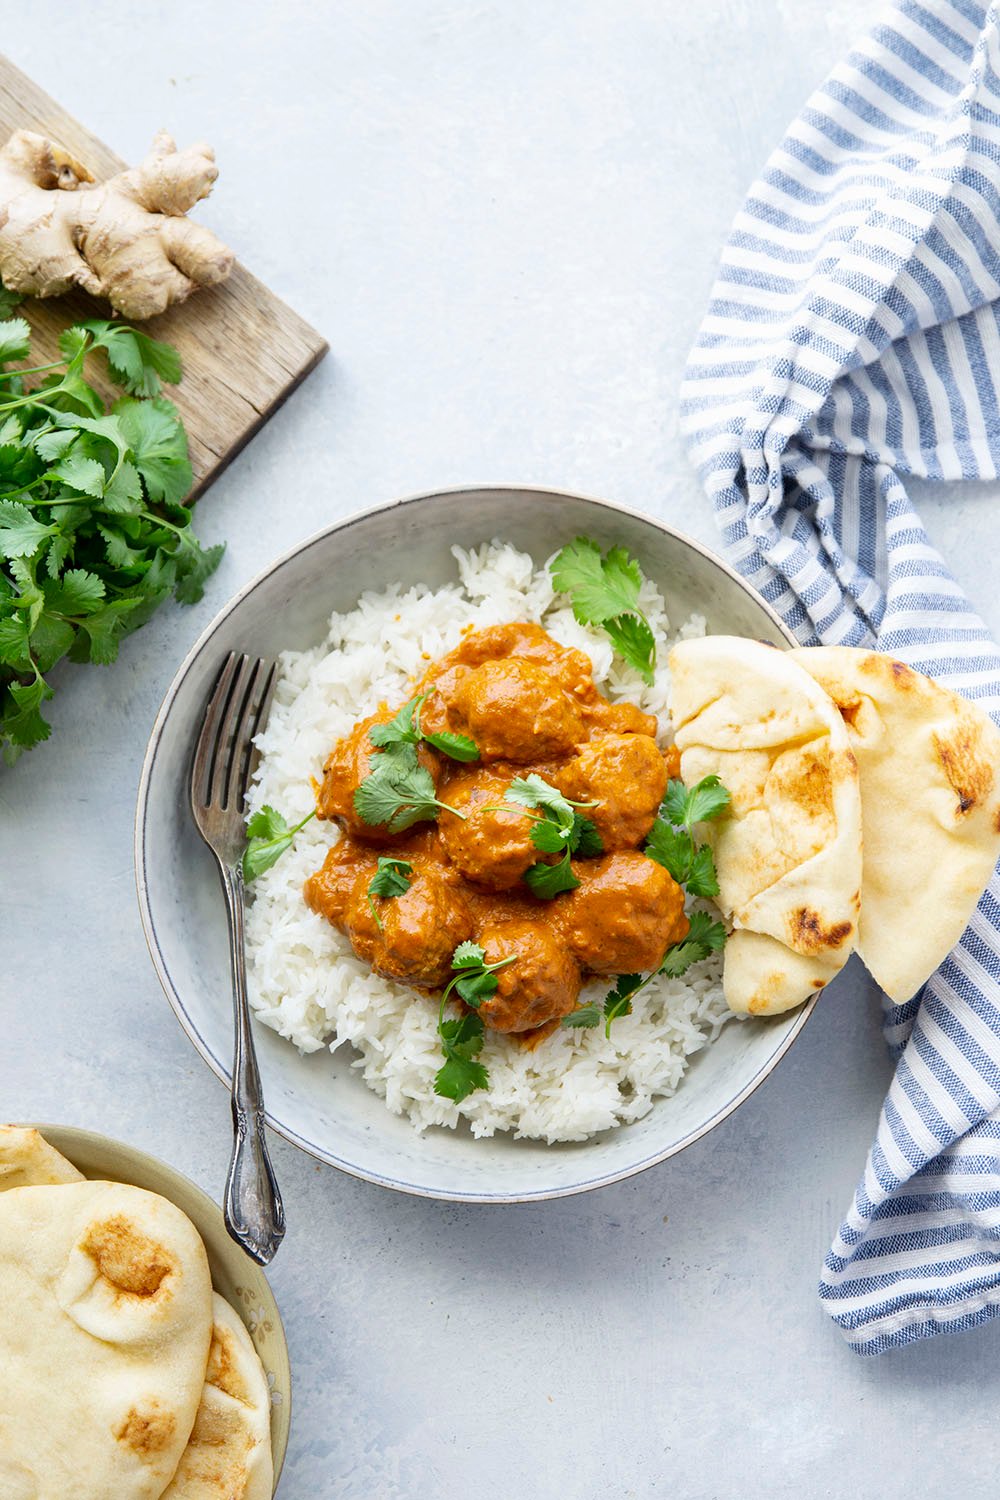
pixel 126 239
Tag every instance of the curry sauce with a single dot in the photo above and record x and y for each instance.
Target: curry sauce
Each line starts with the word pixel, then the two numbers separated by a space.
pixel 530 705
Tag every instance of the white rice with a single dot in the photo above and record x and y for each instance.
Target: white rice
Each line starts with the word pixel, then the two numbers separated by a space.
pixel 304 980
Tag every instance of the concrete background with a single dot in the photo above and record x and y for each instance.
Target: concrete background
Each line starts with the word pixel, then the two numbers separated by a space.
pixel 505 218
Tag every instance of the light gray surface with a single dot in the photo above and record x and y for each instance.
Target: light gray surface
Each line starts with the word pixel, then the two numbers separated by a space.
pixel 505 218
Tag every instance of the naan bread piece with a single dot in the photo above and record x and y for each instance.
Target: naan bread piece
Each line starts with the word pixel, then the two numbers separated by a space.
pixel 27 1160
pixel 105 1326
pixel 228 1456
pixel 788 851
pixel 929 763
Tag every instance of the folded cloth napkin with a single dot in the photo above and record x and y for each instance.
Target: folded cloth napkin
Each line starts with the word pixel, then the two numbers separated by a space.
pixel 852 339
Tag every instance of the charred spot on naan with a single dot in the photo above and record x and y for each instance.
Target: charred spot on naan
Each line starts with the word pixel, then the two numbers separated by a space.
pixel 130 1261
pixel 809 935
pixel 224 1368
pixel 969 774
pixel 147 1430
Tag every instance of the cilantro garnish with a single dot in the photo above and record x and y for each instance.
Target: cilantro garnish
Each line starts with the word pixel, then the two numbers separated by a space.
pixel 93 532
pixel 604 590
pixel 671 842
pixel 405 730
pixel 462 1037
pixel 398 791
pixel 268 836
pixel 558 829
pixel 391 879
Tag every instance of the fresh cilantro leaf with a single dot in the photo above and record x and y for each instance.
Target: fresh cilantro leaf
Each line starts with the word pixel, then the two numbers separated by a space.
pixel 671 847
pixel 159 446
pixel 77 593
pixel 399 731
pixel 139 362
pixel 618 1002
pixel 585 839
pixel 698 804
pixel 599 587
pixel 704 938
pixel 475 988
pixel 268 836
pixel 460 1075
pixel 22 722
pixel 549 837
pixel 194 566
pixel 586 1016
pixel 548 881
pixel 51 640
pixel 51 446
pixel 398 794
pixel 405 729
pixel 15 340
pixel 532 791
pixel 455 746
pixel 14 649
pixel 80 473
pixel 702 879
pixel 20 534
pixel 8 301
pixel 468 956
pixel 633 639
pixel 392 878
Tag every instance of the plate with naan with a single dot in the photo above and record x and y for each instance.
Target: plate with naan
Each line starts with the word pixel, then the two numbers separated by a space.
pixel 144 1354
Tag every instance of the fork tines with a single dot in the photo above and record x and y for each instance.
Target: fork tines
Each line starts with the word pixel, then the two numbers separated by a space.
pixel 236 712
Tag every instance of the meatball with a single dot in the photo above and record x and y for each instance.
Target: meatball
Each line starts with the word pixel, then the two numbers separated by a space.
pixel 624 914
pixel 328 890
pixel 420 930
pixel 491 848
pixel 627 776
pixel 347 765
pixel 541 984
pixel 515 710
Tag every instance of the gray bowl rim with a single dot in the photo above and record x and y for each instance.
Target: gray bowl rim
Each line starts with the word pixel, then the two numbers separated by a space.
pixel 223 1074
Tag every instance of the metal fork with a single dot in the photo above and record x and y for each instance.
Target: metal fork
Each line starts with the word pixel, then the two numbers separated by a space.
pixel 224 761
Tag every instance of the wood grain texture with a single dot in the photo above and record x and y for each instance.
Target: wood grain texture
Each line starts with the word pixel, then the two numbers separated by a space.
pixel 242 349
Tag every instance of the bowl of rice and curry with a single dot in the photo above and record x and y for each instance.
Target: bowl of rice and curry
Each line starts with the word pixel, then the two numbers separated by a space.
pixel 555 839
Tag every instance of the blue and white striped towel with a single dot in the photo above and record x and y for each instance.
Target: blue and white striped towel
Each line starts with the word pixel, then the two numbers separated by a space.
pixel 853 338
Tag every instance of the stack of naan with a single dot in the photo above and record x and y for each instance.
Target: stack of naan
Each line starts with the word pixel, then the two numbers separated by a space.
pixel 865 812
pixel 125 1377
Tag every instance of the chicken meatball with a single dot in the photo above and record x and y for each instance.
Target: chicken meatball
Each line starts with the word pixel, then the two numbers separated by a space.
pixel 626 775
pixel 328 890
pixel 541 984
pixel 420 930
pixel 347 765
pixel 515 710
pixel 492 848
pixel 624 914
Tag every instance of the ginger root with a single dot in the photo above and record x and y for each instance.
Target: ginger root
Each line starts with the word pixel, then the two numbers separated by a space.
pixel 126 239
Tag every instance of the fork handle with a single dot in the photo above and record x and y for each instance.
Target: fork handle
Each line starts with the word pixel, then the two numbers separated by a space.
pixel 253 1211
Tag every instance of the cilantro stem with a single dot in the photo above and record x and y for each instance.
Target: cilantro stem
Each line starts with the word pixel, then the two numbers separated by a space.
pixel 501 963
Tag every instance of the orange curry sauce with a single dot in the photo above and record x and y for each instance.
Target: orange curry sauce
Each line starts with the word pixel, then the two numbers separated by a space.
pixel 530 705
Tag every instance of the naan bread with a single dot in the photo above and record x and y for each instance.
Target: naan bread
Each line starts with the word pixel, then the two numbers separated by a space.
pixel 228 1456
pixel 929 764
pixel 27 1160
pixel 788 852
pixel 105 1326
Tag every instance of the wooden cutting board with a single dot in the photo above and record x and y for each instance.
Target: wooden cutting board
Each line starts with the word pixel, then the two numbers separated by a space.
pixel 242 349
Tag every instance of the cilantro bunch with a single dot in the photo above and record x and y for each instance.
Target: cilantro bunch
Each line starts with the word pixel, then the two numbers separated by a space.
pixel 94 535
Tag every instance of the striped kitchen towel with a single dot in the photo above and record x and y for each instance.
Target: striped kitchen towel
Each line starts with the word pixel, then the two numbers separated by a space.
pixel 852 340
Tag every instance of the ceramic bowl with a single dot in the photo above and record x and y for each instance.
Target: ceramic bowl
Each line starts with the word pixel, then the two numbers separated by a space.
pixel 318 1102
pixel 234 1276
